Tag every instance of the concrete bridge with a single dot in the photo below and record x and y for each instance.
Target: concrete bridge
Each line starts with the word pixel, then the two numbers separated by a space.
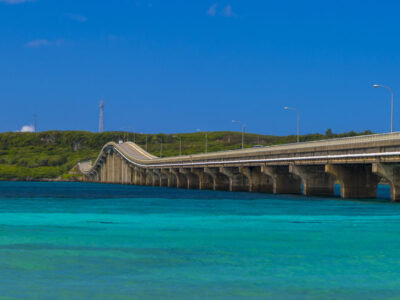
pixel 311 168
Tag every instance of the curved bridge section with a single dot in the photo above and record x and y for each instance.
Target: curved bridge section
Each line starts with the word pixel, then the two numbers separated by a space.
pixel 311 168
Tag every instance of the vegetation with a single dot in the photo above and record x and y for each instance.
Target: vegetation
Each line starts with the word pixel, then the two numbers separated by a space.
pixel 54 154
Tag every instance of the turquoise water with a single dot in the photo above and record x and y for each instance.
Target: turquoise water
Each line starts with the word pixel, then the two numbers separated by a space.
pixel 92 241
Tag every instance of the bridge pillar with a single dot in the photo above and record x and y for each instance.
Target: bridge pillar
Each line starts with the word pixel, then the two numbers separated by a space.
pixel 283 181
pixel 128 173
pixel 181 181
pixel 163 178
pixel 191 178
pixel 171 178
pixel 117 169
pixel 258 181
pixel 110 167
pixel 206 181
pixel 392 173
pixel 135 176
pixel 316 182
pixel 149 177
pixel 237 181
pixel 142 176
pixel 156 178
pixel 220 181
pixel 356 181
pixel 102 169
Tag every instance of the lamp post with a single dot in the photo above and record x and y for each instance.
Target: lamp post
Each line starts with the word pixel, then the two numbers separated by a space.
pixel 243 130
pixel 391 112
pixel 298 121
pixel 180 144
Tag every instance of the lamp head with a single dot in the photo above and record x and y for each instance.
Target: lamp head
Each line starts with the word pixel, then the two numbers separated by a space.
pixel 376 85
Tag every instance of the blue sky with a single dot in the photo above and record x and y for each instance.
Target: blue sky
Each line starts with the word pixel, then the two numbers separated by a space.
pixel 178 66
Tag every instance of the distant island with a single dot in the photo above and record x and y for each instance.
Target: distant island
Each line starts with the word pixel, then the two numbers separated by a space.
pixel 53 155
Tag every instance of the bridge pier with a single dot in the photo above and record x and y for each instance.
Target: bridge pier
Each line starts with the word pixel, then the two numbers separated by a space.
pixel 142 177
pixel 237 181
pixel 181 181
pixel 316 182
pixel 163 179
pixel 392 173
pixel 258 181
pixel 283 181
pixel 220 181
pixel 103 175
pixel 356 181
pixel 205 179
pixel 108 167
pixel 171 178
pixel 192 179
pixel 136 176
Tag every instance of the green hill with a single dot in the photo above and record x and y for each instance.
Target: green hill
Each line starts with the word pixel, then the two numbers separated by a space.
pixel 53 154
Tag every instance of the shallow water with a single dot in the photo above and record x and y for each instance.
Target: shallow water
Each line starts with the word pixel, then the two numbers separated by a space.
pixel 92 241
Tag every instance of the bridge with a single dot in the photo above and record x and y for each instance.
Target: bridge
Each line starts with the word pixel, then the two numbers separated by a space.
pixel 312 168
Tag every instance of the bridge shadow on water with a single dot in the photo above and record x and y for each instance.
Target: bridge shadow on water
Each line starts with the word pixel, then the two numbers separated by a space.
pixel 116 191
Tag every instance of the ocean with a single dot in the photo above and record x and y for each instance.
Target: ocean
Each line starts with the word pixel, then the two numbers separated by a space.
pixel 99 241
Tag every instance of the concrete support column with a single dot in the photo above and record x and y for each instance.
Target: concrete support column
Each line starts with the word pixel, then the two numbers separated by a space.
pixel 149 177
pixel 162 177
pixel 258 181
pixel 156 178
pixel 206 181
pixel 109 168
pixel 390 171
pixel 191 178
pixel 316 182
pixel 237 181
pixel 283 181
pixel 220 181
pixel 181 181
pixel 171 178
pixel 136 176
pixel 356 181
pixel 123 171
pixel 142 176
pixel 118 169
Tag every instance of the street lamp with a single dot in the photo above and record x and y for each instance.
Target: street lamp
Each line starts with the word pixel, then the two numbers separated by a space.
pixel 243 130
pixel 180 144
pixel 298 120
pixel 391 113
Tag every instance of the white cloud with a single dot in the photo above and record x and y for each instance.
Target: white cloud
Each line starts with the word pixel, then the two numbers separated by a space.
pixel 27 128
pixel 227 11
pixel 76 17
pixel 15 1
pixel 44 43
pixel 212 11
pixel 38 43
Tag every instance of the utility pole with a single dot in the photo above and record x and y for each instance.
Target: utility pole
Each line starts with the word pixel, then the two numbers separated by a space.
pixel 391 111
pixel 243 130
pixel 298 120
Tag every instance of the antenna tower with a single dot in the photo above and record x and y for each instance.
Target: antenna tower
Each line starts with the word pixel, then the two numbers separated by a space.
pixel 101 121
